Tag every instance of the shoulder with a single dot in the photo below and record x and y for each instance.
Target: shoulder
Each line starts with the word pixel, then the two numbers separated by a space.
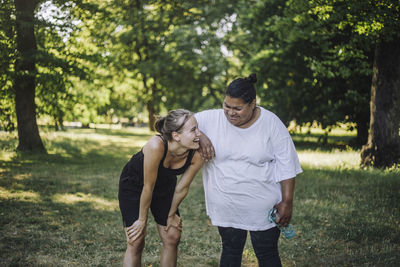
pixel 207 113
pixel 273 123
pixel 270 117
pixel 268 114
pixel 207 119
pixel 154 147
pixel 197 159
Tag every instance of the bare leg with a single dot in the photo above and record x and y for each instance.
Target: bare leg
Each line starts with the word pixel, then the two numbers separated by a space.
pixel 133 254
pixel 170 241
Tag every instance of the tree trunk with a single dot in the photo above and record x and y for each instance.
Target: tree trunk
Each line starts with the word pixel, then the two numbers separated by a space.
pixel 362 132
pixel 152 113
pixel 383 147
pixel 24 82
pixel 151 109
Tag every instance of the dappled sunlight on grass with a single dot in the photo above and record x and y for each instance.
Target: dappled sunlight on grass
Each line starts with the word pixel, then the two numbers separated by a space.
pixel 94 141
pixel 61 208
pixel 18 195
pixel 22 176
pixel 6 155
pixel 330 160
pixel 97 202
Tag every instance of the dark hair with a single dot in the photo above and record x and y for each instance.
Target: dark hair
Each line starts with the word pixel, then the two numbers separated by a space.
pixel 172 122
pixel 243 88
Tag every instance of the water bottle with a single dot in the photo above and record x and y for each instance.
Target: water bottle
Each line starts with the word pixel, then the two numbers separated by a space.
pixel 287 231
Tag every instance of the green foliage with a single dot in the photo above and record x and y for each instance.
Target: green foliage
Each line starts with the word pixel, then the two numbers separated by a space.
pixel 7 51
pixel 170 48
pixel 55 62
pixel 102 60
pixel 314 57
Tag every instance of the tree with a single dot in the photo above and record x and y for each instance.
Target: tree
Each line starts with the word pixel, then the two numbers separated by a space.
pixel 316 56
pixel 312 65
pixel 50 62
pixel 383 147
pixel 170 48
pixel 25 72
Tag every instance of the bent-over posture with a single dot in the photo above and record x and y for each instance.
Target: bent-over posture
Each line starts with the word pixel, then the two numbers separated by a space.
pixel 149 180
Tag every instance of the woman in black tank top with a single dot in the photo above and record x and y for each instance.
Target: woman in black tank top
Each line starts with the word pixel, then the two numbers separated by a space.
pixel 149 180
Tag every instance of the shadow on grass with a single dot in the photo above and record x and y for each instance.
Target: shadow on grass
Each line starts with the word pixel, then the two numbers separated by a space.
pixel 123 132
pixel 45 233
pixel 85 166
pixel 314 142
pixel 343 215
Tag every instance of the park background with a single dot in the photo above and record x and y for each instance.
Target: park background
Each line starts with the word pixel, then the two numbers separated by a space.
pixel 81 83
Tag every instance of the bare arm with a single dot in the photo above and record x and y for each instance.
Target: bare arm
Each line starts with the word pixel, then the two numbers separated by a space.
pixel 206 149
pixel 285 207
pixel 182 189
pixel 153 152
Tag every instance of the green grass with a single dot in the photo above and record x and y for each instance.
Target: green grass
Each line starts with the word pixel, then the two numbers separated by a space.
pixel 61 208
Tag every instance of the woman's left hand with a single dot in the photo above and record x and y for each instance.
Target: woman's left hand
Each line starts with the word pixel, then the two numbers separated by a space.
pixel 174 221
pixel 206 148
pixel 284 213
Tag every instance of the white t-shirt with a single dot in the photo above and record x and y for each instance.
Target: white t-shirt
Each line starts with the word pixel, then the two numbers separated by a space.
pixel 241 183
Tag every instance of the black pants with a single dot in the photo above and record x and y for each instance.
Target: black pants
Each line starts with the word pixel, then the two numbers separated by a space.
pixel 265 245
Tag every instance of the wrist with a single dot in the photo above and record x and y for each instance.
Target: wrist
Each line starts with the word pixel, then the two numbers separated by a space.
pixel 287 201
pixel 142 219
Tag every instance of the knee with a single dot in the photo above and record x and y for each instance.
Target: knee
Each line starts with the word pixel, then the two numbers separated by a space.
pixel 136 247
pixel 233 239
pixel 172 238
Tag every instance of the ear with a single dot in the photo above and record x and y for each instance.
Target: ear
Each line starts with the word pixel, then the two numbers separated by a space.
pixel 253 103
pixel 176 137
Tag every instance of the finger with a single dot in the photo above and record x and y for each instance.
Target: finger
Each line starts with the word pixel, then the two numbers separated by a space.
pixel 133 233
pixel 208 152
pixel 136 236
pixel 284 221
pixel 179 227
pixel 130 235
pixel 212 152
pixel 203 155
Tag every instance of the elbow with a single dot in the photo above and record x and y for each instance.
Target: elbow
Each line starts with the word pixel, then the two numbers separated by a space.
pixel 147 190
pixel 181 190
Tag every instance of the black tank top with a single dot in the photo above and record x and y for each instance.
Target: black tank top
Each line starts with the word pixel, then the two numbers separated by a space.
pixel 166 177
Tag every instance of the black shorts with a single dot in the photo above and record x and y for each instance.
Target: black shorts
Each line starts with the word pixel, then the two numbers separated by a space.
pixel 129 202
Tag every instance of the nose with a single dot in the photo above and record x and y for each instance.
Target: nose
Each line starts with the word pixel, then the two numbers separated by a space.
pixel 197 132
pixel 231 112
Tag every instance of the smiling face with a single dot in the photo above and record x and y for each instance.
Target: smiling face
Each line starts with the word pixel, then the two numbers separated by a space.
pixel 189 135
pixel 238 112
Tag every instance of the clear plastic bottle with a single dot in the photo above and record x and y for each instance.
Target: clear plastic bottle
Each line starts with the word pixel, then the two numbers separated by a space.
pixel 287 231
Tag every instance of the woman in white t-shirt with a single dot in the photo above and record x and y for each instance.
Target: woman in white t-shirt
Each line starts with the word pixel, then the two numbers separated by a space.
pixel 253 171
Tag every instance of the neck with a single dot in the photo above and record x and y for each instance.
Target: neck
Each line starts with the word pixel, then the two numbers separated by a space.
pixel 253 117
pixel 176 150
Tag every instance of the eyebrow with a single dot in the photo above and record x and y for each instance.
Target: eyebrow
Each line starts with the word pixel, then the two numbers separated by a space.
pixel 236 107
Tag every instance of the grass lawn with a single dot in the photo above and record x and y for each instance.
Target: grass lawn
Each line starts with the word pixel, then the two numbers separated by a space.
pixel 61 208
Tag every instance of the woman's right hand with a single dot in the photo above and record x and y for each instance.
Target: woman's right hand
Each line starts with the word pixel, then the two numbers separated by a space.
pixel 174 221
pixel 137 229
